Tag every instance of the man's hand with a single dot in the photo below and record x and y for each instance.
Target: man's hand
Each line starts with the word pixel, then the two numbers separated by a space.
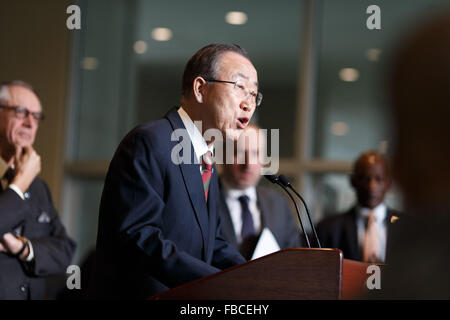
pixel 11 244
pixel 27 165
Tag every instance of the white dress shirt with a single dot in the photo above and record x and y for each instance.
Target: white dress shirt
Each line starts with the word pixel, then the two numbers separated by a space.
pixel 234 206
pixel 380 213
pixel 198 142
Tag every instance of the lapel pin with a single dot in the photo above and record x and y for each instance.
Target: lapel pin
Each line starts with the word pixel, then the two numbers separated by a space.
pixel 394 219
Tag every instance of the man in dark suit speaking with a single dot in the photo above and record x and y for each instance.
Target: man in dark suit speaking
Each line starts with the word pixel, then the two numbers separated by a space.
pixel 158 225
pixel 361 233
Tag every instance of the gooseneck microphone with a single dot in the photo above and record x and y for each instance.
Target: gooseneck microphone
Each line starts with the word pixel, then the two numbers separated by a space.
pixel 274 179
pixel 285 181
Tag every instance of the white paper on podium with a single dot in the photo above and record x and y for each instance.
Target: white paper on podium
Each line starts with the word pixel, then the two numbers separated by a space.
pixel 266 244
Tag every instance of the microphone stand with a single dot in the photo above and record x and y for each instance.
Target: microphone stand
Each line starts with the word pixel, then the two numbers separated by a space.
pixel 285 181
pixel 274 179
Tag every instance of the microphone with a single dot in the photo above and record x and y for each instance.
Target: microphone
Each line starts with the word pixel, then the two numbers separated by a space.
pixel 274 179
pixel 285 181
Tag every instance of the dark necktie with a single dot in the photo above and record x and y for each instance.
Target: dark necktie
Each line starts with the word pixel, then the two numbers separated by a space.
pixel 206 172
pixel 9 175
pixel 248 229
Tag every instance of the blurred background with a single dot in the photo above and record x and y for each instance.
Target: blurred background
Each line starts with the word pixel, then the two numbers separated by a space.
pixel 320 68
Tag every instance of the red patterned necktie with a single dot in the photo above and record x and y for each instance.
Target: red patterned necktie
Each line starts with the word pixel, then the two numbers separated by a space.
pixel 206 172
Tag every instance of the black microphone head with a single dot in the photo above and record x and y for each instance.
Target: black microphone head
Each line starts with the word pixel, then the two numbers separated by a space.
pixel 285 181
pixel 271 177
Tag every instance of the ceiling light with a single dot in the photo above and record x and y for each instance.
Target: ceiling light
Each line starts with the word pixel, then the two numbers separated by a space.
pixel 89 63
pixel 349 74
pixel 373 54
pixel 162 34
pixel 140 47
pixel 236 17
pixel 339 129
pixel 383 147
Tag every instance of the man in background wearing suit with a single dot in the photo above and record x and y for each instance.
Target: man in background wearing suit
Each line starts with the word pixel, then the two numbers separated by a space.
pixel 246 208
pixel 362 232
pixel 33 242
pixel 158 225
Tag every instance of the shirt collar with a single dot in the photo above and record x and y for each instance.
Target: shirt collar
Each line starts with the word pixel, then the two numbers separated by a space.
pixel 229 192
pixel 198 142
pixel 379 211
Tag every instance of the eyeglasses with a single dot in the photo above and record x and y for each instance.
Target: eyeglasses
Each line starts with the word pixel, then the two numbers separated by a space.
pixel 22 112
pixel 245 92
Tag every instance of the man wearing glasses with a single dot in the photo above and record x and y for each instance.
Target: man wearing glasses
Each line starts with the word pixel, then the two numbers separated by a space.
pixel 159 226
pixel 33 242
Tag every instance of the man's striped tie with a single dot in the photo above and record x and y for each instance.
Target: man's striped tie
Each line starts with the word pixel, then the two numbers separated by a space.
pixel 206 171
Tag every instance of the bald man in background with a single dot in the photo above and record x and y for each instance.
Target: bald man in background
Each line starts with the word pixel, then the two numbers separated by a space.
pixel 362 232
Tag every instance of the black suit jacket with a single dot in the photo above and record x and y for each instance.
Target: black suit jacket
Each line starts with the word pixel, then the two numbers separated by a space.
pixel 36 219
pixel 276 215
pixel 340 231
pixel 419 256
pixel 156 230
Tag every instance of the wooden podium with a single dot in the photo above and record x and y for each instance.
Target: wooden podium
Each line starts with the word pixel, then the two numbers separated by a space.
pixel 289 274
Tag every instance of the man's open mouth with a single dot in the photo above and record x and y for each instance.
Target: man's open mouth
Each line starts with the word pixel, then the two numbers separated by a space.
pixel 243 122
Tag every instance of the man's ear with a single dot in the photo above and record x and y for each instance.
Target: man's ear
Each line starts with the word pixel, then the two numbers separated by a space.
pixel 198 88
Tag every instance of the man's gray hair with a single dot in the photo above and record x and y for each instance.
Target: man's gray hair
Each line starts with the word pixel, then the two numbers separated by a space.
pixel 4 89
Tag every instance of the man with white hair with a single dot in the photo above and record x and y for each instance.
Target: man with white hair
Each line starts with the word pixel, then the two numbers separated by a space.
pixel 33 242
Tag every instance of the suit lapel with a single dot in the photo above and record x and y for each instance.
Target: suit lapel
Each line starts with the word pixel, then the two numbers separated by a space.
pixel 227 224
pixel 352 234
pixel 263 206
pixel 389 214
pixel 192 180
pixel 212 212
pixel 389 223
pixel 267 213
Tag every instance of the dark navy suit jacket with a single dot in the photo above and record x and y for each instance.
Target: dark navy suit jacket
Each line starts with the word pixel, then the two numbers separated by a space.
pixel 156 230
pixel 36 219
